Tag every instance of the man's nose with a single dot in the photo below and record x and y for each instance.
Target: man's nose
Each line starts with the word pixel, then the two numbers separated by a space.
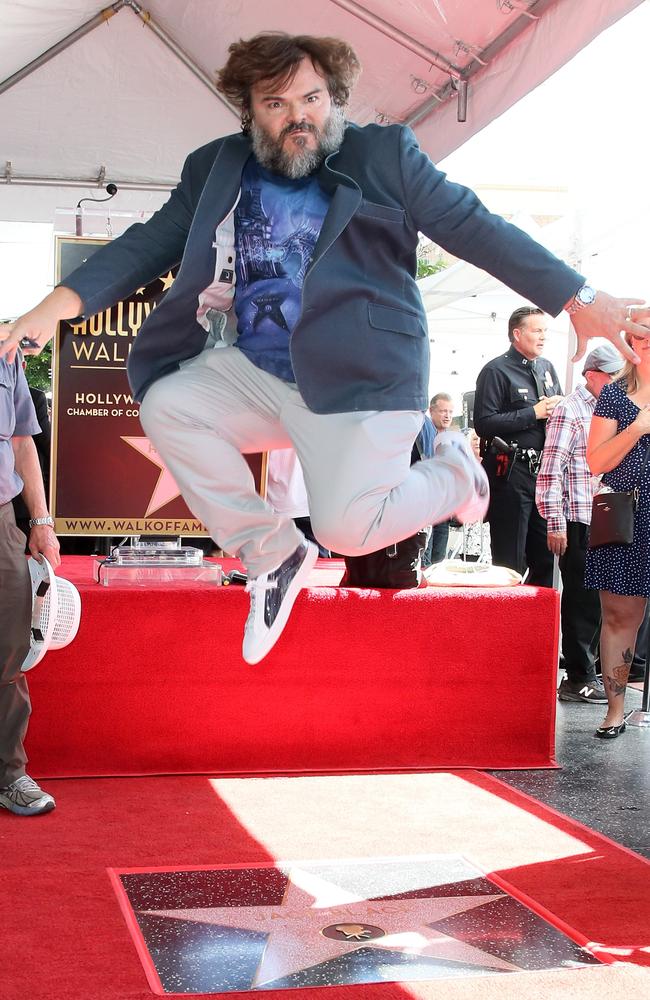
pixel 295 112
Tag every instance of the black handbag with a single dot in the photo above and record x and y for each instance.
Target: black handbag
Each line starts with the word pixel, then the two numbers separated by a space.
pixel 398 567
pixel 612 515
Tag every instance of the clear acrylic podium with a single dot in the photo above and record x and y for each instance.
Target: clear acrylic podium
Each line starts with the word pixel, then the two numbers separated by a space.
pixel 151 562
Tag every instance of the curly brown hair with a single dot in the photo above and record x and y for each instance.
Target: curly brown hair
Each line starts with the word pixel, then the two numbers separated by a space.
pixel 276 56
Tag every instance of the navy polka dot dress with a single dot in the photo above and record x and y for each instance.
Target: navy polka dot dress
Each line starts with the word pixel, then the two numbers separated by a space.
pixel 624 569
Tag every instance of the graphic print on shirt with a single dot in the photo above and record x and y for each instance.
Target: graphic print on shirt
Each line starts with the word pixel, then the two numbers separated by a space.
pixel 277 223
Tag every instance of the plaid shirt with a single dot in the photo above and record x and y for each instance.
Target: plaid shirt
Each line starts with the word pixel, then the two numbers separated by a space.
pixel 565 486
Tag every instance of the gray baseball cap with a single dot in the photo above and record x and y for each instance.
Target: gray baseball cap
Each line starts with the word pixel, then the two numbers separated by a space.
pixel 603 359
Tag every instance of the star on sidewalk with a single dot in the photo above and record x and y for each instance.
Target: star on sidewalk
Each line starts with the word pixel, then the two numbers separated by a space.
pixel 165 488
pixel 318 921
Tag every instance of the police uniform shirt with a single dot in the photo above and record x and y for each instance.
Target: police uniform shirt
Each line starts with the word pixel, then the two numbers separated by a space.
pixel 507 389
pixel 17 419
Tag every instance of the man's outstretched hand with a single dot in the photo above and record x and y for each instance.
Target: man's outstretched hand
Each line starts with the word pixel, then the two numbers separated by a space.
pixel 38 326
pixel 612 319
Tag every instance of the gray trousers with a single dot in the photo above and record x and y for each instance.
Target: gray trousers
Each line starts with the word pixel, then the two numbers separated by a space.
pixel 15 621
pixel 363 492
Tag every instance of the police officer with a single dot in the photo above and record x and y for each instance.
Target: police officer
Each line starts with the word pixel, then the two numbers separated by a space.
pixel 515 393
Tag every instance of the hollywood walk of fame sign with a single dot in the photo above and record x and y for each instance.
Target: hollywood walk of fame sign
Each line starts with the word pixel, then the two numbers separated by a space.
pixel 107 478
pixel 289 925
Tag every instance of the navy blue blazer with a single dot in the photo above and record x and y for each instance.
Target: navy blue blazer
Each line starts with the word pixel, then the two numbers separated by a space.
pixel 361 342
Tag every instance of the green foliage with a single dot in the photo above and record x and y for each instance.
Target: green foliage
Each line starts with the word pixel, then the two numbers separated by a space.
pixel 39 369
pixel 426 267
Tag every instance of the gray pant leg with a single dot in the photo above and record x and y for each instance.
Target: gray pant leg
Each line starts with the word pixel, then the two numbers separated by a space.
pixel 202 419
pixel 364 494
pixel 15 619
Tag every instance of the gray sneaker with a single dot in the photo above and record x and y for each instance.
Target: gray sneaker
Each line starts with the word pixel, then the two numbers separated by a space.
pixel 24 798
pixel 589 691
pixel 272 598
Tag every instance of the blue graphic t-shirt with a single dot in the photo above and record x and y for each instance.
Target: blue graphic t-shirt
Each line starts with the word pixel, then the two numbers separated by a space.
pixel 277 222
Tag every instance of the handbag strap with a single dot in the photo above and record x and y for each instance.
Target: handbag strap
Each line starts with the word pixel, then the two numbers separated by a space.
pixel 643 465
pixel 636 489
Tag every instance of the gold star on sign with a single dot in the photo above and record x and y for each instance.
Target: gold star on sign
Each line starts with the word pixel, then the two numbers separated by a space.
pixel 140 290
pixel 167 281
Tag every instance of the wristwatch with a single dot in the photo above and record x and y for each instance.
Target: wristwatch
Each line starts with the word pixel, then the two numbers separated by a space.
pixel 41 520
pixel 582 298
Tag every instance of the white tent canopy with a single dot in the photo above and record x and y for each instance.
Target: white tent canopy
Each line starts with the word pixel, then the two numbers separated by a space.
pixel 122 94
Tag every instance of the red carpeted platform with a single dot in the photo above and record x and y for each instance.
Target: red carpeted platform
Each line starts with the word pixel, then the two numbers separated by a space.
pixel 360 681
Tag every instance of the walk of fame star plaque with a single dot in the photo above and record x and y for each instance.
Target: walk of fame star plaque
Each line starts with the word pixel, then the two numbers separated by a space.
pixel 290 925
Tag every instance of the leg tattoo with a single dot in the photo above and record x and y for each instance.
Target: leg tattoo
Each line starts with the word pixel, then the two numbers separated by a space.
pixel 617 680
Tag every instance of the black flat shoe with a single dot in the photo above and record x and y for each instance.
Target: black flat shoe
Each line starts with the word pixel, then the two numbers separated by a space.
pixel 610 732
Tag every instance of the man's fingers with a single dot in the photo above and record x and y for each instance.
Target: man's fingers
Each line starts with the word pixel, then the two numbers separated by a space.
pixel 619 342
pixel 51 553
pixel 628 352
pixel 581 347
pixel 8 341
pixel 637 330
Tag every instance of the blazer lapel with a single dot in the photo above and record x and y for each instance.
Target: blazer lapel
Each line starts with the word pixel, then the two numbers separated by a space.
pixel 346 198
pixel 220 192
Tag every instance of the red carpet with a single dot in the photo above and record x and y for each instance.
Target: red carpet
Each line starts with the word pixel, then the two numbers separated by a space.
pixel 64 937
pixel 361 680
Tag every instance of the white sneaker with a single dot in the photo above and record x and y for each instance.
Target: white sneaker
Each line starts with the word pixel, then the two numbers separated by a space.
pixel 24 798
pixel 272 597
pixel 474 508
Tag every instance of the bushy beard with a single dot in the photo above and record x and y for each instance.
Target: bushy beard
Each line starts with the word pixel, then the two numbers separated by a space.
pixel 270 152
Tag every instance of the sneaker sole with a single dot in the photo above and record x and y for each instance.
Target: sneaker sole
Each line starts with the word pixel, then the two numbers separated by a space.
pixel 26 810
pixel 293 590
pixel 601 700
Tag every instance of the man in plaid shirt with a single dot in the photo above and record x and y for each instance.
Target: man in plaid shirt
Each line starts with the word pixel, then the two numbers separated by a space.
pixel 563 496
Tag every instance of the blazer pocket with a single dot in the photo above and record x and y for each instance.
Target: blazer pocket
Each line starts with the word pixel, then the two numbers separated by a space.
pixel 395 320
pixel 383 212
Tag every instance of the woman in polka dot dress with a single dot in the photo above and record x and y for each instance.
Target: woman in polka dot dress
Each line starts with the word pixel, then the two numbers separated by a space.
pixel 618 440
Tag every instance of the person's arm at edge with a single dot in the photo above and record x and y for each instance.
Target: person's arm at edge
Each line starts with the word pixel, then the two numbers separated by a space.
pixel 42 539
pixel 558 449
pixel 606 448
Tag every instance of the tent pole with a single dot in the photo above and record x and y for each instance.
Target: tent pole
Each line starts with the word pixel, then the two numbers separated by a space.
pixel 101 18
pixel 180 53
pixel 429 55
pixel 517 26
pixel 15 180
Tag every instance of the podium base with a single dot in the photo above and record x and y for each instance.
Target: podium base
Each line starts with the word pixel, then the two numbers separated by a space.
pixel 638 718
pixel 151 574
